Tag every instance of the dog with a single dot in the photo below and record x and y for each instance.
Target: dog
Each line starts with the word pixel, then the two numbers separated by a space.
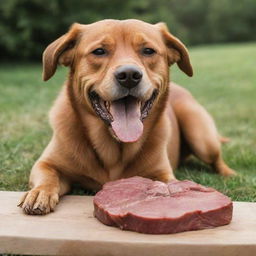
pixel 118 115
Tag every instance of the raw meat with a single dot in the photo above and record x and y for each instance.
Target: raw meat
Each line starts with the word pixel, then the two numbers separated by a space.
pixel 154 207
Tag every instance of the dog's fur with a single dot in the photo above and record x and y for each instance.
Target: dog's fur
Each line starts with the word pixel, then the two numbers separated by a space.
pixel 83 148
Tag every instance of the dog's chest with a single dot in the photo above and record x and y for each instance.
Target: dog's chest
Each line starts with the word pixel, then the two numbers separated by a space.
pixel 116 172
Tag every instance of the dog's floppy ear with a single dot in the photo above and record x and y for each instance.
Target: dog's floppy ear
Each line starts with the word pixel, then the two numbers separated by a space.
pixel 61 51
pixel 177 51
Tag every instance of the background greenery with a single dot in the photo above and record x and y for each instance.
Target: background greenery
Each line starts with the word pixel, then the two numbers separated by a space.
pixel 28 26
pixel 224 82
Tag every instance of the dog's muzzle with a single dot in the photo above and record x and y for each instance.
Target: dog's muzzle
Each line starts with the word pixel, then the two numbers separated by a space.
pixel 124 115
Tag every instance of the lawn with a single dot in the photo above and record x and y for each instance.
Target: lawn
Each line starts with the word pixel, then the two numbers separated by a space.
pixel 224 82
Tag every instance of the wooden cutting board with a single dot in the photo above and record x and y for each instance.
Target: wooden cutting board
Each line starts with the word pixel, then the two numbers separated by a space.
pixel 72 230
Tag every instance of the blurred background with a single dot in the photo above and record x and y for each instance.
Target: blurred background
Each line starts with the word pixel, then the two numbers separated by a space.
pixel 220 35
pixel 28 26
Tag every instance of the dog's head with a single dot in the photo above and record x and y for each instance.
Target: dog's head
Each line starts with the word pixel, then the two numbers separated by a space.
pixel 119 69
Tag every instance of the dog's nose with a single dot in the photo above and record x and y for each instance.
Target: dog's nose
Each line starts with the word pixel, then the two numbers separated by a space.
pixel 128 75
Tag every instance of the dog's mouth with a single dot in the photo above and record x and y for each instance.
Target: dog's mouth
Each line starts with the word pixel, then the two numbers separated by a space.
pixel 125 115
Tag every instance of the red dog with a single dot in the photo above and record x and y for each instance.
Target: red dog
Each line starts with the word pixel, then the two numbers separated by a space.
pixel 117 115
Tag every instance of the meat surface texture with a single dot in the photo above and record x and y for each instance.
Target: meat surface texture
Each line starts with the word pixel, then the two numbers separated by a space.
pixel 154 207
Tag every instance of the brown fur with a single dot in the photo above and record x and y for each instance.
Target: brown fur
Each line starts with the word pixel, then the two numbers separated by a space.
pixel 83 149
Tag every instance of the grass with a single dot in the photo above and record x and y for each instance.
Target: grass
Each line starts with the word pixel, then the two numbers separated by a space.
pixel 224 82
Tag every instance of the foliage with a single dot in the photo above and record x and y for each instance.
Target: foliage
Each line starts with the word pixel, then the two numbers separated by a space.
pixel 27 26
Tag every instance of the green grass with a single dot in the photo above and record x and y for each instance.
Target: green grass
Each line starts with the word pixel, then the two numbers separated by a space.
pixel 224 82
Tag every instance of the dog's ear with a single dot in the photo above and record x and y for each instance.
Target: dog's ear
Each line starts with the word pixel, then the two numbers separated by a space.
pixel 61 51
pixel 177 51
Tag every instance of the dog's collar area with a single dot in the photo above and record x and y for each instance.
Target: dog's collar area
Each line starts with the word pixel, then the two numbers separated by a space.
pixel 102 108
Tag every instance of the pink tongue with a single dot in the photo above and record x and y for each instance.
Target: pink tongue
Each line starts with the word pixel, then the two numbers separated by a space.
pixel 127 125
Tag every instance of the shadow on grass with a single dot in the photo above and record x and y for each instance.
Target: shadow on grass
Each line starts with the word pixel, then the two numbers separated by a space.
pixel 193 167
pixel 77 189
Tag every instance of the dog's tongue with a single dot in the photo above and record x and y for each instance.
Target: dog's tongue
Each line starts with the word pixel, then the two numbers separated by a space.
pixel 127 125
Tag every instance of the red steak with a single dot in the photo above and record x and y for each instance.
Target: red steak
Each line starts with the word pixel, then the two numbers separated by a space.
pixel 154 207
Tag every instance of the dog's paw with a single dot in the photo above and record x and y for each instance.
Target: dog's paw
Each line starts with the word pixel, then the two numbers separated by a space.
pixel 39 201
pixel 228 172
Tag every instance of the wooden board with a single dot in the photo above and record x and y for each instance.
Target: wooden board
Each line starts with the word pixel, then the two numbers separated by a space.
pixel 72 230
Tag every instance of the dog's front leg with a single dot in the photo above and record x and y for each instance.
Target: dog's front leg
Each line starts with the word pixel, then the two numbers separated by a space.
pixel 161 170
pixel 47 184
pixel 164 175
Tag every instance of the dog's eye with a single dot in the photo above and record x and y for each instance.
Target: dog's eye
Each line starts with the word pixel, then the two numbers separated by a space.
pixel 148 51
pixel 99 51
